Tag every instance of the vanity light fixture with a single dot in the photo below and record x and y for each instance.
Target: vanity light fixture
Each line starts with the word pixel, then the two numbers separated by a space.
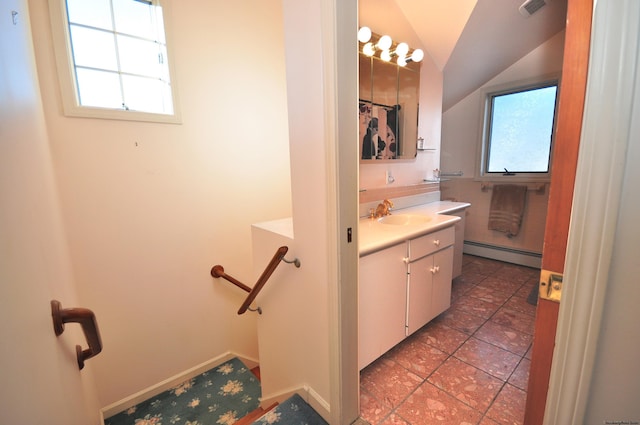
pixel 402 49
pixel 368 49
pixel 417 55
pixel 384 43
pixel 364 34
pixel 386 49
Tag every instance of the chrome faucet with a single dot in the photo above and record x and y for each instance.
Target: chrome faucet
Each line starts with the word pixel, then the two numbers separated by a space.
pixel 383 208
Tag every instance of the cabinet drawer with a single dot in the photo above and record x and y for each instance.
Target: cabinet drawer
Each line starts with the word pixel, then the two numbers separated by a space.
pixel 427 244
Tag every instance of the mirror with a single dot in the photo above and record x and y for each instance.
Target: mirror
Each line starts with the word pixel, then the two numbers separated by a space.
pixel 388 109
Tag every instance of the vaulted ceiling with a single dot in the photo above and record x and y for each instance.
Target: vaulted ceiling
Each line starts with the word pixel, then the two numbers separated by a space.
pixel 471 41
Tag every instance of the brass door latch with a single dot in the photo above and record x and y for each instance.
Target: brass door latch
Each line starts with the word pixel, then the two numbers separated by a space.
pixel 550 285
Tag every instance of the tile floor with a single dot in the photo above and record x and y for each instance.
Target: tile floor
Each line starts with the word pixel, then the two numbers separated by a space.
pixel 470 365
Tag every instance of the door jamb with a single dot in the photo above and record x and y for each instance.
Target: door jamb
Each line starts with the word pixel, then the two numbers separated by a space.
pixel 591 235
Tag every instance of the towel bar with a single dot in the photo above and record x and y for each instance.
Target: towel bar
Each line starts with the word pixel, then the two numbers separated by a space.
pixel 538 188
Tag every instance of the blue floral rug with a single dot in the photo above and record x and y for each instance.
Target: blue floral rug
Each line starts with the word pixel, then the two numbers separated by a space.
pixel 293 411
pixel 221 395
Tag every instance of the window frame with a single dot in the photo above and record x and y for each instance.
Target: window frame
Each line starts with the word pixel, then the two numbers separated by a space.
pixel 66 74
pixel 487 96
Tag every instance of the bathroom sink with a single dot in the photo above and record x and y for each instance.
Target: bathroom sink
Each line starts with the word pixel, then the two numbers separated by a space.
pixel 404 219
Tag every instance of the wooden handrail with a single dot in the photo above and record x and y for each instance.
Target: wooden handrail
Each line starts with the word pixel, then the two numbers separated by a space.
pixel 218 271
pixel 87 320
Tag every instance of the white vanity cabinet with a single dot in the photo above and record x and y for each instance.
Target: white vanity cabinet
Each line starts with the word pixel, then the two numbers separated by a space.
pixel 382 301
pixel 430 272
pixel 401 289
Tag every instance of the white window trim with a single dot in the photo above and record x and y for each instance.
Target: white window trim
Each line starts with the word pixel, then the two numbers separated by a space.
pixel 481 155
pixel 68 90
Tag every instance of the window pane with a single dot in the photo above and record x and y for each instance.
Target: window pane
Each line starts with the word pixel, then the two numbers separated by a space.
pixel 119 55
pixel 139 56
pixel 521 129
pixel 93 48
pixel 159 19
pixel 146 94
pixel 134 18
pixel 94 13
pixel 99 88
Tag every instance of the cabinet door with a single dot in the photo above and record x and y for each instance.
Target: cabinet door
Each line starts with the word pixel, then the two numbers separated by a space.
pixel 419 302
pixel 441 288
pixel 429 288
pixel 382 302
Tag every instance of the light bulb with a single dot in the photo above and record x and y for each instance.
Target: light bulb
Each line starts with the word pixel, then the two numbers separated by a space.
pixel 402 49
pixel 364 34
pixel 417 55
pixel 402 60
pixel 385 55
pixel 368 49
pixel 385 42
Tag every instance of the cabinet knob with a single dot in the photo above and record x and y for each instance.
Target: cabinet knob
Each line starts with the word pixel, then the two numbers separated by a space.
pixel 436 242
pixel 435 269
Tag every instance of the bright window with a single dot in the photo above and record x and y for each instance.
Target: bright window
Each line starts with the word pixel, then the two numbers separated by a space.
pixel 519 128
pixel 113 59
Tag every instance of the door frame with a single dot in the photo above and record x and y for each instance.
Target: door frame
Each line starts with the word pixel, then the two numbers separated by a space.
pixel 607 116
pixel 566 147
pixel 574 353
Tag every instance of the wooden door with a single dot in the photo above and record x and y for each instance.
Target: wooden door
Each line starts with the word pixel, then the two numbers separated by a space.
pixel 565 156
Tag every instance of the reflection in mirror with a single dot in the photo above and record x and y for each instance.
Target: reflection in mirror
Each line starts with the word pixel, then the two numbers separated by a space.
pixel 388 109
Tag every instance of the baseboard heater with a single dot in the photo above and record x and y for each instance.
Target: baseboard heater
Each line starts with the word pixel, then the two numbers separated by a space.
pixel 509 255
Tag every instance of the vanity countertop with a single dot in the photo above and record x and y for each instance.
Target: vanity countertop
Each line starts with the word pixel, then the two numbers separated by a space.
pixel 374 236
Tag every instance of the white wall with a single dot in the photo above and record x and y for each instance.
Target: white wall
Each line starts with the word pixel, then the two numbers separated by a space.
pixel 615 381
pixel 385 18
pixel 302 356
pixel 150 208
pixel 308 334
pixel 615 384
pixel 461 124
pixel 461 133
pixel 41 382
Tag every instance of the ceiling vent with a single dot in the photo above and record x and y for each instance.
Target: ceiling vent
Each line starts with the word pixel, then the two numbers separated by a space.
pixel 530 7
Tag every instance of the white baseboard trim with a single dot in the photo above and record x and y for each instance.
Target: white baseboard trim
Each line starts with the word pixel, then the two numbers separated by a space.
pixel 309 395
pixel 523 258
pixel 171 382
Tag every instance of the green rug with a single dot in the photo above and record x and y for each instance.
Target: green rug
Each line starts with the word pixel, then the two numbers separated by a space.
pixel 221 395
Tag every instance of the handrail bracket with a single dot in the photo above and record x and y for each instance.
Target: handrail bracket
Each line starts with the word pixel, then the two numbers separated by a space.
pixel 87 320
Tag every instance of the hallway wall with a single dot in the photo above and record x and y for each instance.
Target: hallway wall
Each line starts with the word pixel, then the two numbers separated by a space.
pixel 149 208
pixel 41 383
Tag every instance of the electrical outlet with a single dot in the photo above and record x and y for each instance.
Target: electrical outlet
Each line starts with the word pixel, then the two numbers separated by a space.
pixel 388 177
